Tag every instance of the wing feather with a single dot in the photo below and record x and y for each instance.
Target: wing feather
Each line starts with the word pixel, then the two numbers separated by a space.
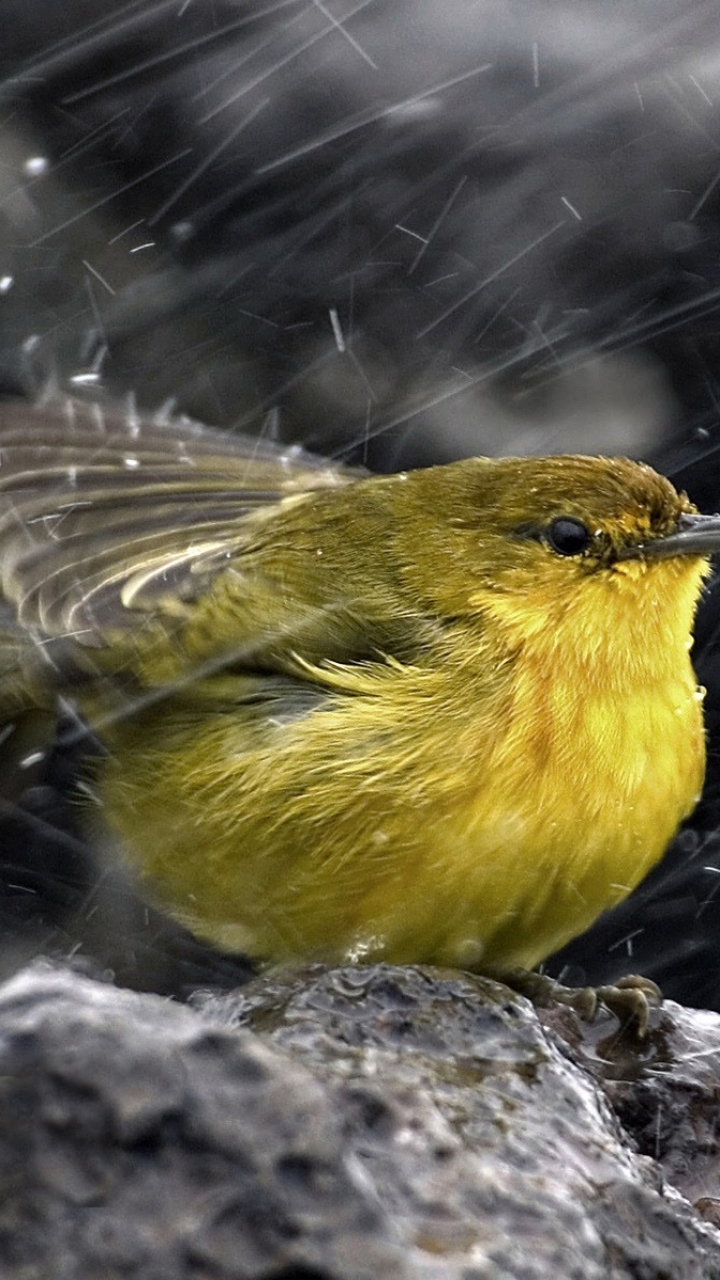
pixel 102 515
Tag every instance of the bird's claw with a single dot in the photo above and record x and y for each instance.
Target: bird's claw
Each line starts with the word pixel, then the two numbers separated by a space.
pixel 629 999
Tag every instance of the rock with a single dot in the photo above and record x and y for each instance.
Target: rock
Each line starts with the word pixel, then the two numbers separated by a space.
pixel 361 1123
pixel 139 1139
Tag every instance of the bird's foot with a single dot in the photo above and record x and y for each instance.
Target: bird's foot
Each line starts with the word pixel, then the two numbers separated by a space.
pixel 629 999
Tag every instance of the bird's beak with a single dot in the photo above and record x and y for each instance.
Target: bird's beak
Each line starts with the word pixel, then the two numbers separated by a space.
pixel 695 535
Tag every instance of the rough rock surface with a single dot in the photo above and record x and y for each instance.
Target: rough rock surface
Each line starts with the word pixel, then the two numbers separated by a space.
pixel 350 1123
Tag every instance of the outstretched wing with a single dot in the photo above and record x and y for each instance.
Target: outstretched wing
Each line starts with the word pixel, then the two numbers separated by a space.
pixel 102 515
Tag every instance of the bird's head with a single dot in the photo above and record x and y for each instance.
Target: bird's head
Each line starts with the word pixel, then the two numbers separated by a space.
pixel 598 548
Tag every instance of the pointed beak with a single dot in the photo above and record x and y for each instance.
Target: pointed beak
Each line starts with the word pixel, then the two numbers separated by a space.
pixel 695 535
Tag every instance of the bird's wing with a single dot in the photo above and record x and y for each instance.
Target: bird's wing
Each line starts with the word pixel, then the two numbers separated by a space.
pixel 102 514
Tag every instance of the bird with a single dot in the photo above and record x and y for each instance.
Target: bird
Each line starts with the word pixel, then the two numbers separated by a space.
pixel 445 716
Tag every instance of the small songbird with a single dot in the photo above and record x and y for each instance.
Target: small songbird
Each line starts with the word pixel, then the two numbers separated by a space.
pixel 443 716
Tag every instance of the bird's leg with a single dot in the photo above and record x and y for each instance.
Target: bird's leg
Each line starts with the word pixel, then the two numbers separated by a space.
pixel 629 999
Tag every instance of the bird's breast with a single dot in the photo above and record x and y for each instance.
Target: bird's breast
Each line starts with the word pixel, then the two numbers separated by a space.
pixel 574 804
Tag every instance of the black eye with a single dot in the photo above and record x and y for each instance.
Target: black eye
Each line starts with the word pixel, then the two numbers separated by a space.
pixel 568 537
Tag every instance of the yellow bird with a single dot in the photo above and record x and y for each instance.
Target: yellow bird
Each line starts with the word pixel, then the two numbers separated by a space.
pixel 443 716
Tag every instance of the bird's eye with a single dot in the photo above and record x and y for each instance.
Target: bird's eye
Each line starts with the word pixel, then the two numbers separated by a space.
pixel 568 537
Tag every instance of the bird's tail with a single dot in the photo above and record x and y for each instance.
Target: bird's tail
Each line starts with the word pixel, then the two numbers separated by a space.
pixel 27 711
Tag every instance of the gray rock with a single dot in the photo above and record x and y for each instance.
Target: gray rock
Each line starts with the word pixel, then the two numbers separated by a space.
pixel 359 1123
pixel 136 1139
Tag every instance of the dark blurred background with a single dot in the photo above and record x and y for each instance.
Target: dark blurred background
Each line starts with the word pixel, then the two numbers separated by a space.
pixel 399 231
